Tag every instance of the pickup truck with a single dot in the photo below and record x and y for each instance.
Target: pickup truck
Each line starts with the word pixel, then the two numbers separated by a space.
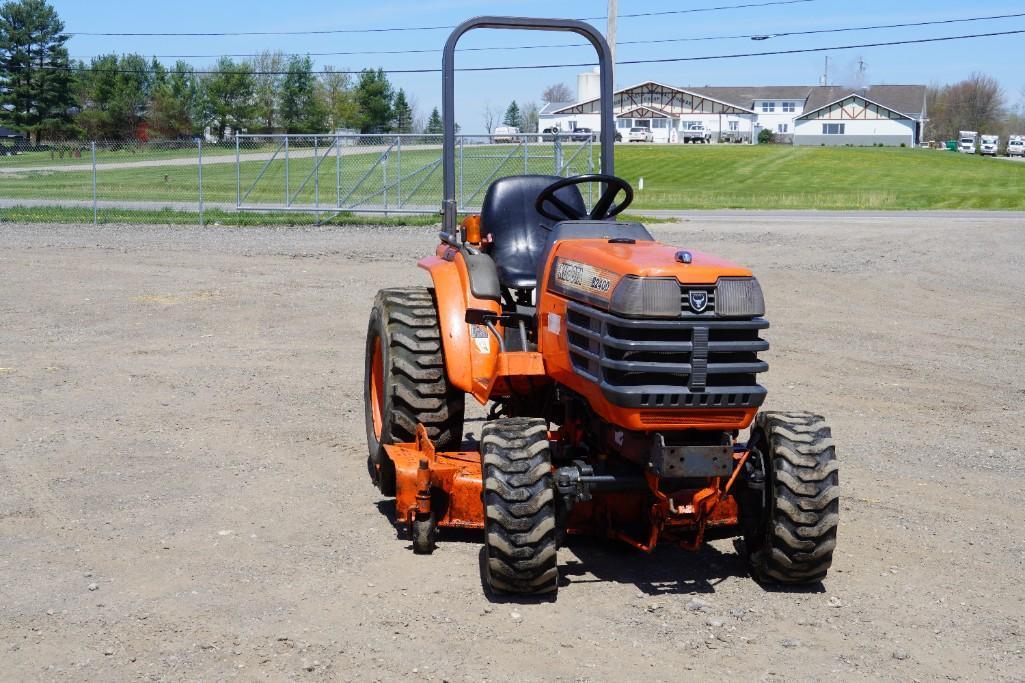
pixel 1016 146
pixel 696 132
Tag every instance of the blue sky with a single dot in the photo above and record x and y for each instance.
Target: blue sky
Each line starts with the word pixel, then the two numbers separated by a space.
pixel 1001 57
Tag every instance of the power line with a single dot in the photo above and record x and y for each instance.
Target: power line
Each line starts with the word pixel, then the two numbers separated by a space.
pixel 692 10
pixel 652 41
pixel 667 60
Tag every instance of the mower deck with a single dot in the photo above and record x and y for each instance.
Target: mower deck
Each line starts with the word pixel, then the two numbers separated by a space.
pixel 445 488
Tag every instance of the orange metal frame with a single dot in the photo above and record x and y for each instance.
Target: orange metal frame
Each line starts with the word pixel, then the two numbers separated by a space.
pixel 447 487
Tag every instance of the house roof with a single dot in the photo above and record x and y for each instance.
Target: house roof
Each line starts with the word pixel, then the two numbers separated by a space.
pixel 905 99
pixel 552 106
pixel 745 96
pixel 852 95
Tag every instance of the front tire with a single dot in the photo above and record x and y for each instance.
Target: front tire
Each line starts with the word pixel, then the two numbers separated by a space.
pixel 519 507
pixel 791 508
pixel 404 380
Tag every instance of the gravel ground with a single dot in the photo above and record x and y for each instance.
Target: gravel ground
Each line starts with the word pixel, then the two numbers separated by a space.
pixel 183 491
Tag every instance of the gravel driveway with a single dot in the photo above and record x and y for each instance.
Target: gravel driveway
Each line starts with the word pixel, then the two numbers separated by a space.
pixel 183 492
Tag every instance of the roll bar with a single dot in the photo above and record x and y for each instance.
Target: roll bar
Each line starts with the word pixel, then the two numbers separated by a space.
pixel 448 162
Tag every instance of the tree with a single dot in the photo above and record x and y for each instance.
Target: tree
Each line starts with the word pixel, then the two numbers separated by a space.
pixel 230 94
pixel 490 117
pixel 267 68
pixel 339 99
pixel 557 92
pixel 175 109
pixel 403 113
pixel 115 94
pixel 529 117
pixel 434 125
pixel 976 103
pixel 374 97
pixel 766 136
pixel 36 94
pixel 301 109
pixel 512 116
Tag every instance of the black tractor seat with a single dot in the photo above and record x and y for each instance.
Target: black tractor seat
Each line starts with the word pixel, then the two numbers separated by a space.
pixel 508 214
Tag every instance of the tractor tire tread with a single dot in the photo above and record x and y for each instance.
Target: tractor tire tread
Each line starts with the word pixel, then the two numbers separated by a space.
pixel 519 504
pixel 800 533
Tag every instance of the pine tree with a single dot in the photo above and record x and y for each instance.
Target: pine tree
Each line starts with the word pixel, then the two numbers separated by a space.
pixel 374 96
pixel 403 113
pixel 434 125
pixel 36 85
pixel 301 110
pixel 513 116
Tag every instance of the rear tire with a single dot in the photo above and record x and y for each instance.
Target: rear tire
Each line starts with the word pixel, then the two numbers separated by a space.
pixel 405 382
pixel 519 507
pixel 791 508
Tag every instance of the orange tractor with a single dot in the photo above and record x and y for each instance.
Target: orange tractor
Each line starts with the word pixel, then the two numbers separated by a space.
pixel 619 371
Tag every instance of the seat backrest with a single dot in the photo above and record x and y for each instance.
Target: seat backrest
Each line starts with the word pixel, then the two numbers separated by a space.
pixel 509 216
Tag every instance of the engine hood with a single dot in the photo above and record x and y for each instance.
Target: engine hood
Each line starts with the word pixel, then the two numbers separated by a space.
pixel 647 259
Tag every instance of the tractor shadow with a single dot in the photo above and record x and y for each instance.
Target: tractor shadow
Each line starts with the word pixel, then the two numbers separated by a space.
pixel 585 561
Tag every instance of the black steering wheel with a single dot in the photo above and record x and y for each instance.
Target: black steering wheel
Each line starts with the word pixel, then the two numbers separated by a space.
pixel 602 209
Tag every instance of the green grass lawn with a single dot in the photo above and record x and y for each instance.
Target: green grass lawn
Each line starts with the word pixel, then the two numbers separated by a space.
pixel 786 177
pixel 675 177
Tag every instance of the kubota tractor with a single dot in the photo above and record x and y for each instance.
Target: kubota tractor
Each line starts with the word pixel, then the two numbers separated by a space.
pixel 620 372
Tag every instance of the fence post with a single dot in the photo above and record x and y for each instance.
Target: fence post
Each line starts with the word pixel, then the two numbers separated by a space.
pixel 199 147
pixel 526 166
pixel 557 153
pixel 384 183
pixel 316 175
pixel 93 148
pixel 459 200
pixel 398 171
pixel 338 172
pixel 238 174
pixel 287 200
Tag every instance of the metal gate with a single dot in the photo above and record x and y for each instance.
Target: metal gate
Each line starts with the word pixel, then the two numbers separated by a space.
pixel 387 174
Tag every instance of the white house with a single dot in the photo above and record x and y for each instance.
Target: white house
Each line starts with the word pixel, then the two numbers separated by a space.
pixel 804 115
pixel 856 120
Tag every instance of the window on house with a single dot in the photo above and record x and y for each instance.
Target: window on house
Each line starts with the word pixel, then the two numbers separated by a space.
pixel 660 123
pixel 789 107
pixel 782 127
pixel 572 125
pixel 734 125
pixel 768 107
pixel 623 123
pixel 833 128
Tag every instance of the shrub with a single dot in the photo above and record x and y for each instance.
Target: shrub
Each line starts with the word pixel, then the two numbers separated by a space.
pixel 766 137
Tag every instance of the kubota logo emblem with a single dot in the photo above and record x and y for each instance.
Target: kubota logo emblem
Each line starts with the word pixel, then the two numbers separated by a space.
pixel 698 300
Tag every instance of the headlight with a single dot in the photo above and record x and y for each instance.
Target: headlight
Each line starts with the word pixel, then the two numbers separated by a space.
pixel 739 297
pixel 646 297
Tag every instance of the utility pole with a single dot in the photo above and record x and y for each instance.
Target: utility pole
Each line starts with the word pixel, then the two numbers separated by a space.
pixel 610 36
pixel 825 72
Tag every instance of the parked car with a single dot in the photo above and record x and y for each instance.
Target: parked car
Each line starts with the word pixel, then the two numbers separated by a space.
pixel 505 134
pixel 583 135
pixel 640 135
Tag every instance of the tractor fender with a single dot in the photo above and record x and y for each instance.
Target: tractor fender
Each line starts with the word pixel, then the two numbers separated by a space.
pixel 470 351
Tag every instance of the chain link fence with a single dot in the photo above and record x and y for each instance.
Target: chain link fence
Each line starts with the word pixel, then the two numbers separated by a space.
pixel 196 181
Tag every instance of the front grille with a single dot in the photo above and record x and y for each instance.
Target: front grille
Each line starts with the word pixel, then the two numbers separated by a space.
pixel 689 362
pixel 685 306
